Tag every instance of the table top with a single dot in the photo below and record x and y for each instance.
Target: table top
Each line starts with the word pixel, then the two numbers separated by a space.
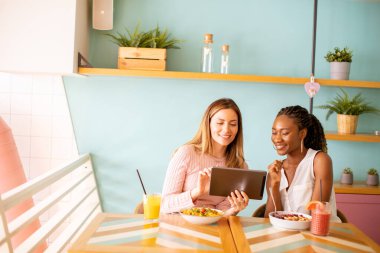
pixel 258 235
pixel 171 233
pixel 358 187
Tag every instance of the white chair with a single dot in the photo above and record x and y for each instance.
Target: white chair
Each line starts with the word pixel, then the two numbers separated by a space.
pixel 74 184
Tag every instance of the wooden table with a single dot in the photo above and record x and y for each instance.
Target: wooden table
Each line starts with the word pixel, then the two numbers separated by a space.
pixel 171 233
pixel 358 187
pixel 258 235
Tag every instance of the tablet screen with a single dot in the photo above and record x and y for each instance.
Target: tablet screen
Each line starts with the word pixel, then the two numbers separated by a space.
pixel 225 180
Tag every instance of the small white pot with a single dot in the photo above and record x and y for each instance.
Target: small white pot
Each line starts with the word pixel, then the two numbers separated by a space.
pixel 340 70
pixel 373 180
pixel 346 178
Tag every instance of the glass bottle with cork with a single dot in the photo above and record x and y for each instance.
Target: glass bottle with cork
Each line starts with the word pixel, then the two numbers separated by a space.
pixel 225 63
pixel 207 54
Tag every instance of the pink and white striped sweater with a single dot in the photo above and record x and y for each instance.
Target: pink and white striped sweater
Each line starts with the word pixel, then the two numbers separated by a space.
pixel 181 178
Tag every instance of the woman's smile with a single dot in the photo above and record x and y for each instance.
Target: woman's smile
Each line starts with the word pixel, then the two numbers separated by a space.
pixel 224 126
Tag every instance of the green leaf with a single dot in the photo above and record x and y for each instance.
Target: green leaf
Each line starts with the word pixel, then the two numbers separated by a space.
pixel 155 38
pixel 337 55
pixel 343 104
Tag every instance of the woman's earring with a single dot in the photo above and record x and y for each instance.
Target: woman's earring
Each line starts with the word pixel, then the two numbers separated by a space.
pixel 301 146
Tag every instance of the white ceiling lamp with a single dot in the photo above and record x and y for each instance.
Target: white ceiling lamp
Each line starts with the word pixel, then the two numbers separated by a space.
pixel 102 14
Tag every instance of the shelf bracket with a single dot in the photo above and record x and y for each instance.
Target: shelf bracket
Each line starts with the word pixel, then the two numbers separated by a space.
pixel 82 62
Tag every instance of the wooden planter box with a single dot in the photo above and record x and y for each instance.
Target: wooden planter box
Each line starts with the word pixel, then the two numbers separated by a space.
pixel 142 58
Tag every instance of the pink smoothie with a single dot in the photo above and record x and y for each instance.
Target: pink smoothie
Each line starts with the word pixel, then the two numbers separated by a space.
pixel 320 222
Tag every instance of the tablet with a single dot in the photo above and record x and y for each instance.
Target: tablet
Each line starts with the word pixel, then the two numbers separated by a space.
pixel 225 180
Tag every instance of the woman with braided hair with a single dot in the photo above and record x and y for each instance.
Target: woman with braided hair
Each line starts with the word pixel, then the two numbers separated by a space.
pixel 295 181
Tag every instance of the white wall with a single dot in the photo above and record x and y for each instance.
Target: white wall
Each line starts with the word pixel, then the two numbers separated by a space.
pixel 35 108
pixel 43 36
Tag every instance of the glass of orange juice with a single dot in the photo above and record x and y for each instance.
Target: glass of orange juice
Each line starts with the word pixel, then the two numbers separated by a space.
pixel 152 205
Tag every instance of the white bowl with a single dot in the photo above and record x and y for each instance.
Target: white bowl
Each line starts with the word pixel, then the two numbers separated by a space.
pixel 202 220
pixel 289 224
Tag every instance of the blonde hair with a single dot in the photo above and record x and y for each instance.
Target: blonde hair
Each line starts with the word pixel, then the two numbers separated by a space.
pixel 202 141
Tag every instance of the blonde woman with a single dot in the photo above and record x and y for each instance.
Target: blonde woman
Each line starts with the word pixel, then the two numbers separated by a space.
pixel 218 143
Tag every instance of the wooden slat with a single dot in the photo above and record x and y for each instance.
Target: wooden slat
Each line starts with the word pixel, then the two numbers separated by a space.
pixel 29 216
pixel 358 187
pixel 113 232
pixel 83 197
pixel 27 190
pixel 42 233
pixel 142 53
pixel 261 236
pixel 360 137
pixel 349 83
pixel 5 240
pixel 2 226
pixel 365 238
pixel 71 230
pixel 192 75
pixel 227 77
pixel 238 235
pixel 4 248
pixel 227 238
pixel 141 64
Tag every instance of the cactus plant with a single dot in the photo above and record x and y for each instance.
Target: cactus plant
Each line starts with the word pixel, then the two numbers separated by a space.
pixel 372 171
pixel 347 170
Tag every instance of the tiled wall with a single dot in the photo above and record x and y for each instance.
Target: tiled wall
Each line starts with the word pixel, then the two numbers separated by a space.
pixel 35 108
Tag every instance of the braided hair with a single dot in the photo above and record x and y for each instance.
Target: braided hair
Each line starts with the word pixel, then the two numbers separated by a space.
pixel 315 137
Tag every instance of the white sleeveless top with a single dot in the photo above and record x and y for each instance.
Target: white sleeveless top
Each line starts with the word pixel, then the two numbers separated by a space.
pixel 301 189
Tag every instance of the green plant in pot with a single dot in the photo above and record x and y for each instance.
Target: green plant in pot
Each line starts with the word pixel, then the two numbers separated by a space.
pixel 348 110
pixel 347 176
pixel 340 63
pixel 372 177
pixel 143 50
pixel 155 38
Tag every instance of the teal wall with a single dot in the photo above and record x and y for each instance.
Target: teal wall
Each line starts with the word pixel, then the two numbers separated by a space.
pixel 128 123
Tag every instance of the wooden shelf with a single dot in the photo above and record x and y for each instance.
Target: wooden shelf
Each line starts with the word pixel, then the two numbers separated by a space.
pixel 225 77
pixel 361 137
pixel 358 187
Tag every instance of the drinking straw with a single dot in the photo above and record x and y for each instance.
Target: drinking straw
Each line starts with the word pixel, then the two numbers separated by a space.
pixel 142 184
pixel 320 186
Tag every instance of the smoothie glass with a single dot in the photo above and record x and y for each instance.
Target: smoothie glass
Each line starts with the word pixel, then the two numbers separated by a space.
pixel 320 219
pixel 152 205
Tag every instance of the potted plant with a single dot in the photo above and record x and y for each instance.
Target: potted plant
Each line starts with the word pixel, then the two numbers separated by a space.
pixel 347 110
pixel 340 62
pixel 143 50
pixel 347 176
pixel 373 177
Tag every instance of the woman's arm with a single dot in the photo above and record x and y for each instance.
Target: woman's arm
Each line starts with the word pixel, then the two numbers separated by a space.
pixel 173 197
pixel 273 184
pixel 323 172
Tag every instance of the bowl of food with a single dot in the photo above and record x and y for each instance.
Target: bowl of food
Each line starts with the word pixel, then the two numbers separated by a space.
pixel 290 220
pixel 201 215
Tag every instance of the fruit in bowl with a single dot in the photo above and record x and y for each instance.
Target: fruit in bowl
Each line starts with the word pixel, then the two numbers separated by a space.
pixel 290 220
pixel 201 215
